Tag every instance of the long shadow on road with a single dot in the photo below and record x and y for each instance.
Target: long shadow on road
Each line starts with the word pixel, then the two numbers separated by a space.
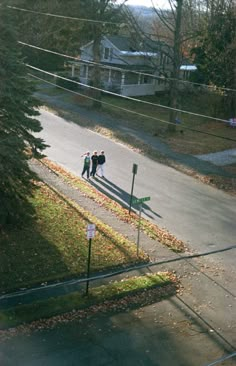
pixel 116 193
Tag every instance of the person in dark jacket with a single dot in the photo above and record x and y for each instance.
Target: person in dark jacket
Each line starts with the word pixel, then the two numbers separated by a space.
pixel 86 167
pixel 94 159
pixel 101 163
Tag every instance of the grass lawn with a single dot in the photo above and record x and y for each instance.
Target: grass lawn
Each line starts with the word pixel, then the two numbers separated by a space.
pixel 146 117
pixel 54 245
pixel 153 231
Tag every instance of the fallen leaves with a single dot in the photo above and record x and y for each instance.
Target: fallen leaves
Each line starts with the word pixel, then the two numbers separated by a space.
pixel 153 231
pixel 127 302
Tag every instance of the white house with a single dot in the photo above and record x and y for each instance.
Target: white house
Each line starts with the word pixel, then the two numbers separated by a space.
pixel 126 70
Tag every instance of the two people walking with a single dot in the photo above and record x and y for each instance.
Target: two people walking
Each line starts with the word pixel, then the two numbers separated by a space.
pixel 96 161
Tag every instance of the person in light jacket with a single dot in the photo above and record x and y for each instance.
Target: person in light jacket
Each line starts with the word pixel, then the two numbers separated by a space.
pixel 101 163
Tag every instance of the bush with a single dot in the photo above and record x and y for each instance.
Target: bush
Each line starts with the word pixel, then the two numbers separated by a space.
pixel 66 83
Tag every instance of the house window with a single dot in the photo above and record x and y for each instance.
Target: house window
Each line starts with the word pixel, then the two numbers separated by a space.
pixel 106 53
pixel 163 60
pixel 111 53
pixel 83 71
pixel 145 79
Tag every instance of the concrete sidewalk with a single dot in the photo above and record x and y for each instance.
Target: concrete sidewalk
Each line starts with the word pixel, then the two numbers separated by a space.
pixel 192 328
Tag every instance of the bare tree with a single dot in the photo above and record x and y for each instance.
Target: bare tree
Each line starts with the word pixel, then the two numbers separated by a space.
pixel 172 21
pixel 103 12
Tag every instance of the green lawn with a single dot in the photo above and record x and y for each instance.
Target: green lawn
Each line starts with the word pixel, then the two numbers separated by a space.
pixel 54 245
pixel 165 285
pixel 153 231
pixel 147 117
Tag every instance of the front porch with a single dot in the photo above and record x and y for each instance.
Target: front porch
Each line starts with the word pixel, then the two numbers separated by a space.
pixel 119 81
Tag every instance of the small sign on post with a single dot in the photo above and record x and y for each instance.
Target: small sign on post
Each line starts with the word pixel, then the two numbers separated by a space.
pixel 141 200
pixel 134 171
pixel 91 229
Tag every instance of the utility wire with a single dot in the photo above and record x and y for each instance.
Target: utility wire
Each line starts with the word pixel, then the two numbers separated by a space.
pixel 112 274
pixel 62 16
pixel 49 51
pixel 162 78
pixel 222 359
pixel 106 22
pixel 128 98
pixel 165 78
pixel 128 110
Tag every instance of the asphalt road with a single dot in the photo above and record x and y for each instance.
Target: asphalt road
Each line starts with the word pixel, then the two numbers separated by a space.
pixel 189 330
pixel 200 215
pixel 150 336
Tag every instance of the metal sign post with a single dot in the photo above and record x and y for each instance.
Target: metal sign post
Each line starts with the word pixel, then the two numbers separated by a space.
pixel 134 171
pixel 139 225
pixel 140 201
pixel 90 234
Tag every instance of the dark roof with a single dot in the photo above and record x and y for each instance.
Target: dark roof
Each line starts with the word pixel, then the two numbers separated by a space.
pixel 128 44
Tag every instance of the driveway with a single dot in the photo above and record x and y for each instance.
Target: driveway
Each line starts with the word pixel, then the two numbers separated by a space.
pixel 222 158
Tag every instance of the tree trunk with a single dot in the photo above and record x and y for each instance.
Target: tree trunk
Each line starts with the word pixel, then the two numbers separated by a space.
pixel 233 97
pixel 176 67
pixel 96 76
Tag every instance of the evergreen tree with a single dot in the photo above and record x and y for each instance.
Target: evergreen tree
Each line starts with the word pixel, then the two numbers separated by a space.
pixel 215 53
pixel 18 109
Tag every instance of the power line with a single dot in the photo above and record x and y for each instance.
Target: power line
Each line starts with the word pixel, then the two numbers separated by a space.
pixel 129 98
pixel 127 110
pixel 220 360
pixel 62 16
pixel 162 78
pixel 49 51
pixel 112 274
pixel 106 22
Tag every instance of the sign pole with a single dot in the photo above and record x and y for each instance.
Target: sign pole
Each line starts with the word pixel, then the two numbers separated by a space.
pixel 139 225
pixel 91 228
pixel 140 202
pixel 88 266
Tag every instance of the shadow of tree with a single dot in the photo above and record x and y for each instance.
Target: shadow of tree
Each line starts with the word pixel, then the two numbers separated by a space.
pixel 27 258
pixel 151 328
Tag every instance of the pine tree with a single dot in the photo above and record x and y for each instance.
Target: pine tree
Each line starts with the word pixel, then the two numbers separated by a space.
pixel 18 109
pixel 215 51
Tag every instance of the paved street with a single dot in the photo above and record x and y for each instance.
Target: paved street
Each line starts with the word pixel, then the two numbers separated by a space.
pixel 193 328
pixel 196 213
pixel 156 335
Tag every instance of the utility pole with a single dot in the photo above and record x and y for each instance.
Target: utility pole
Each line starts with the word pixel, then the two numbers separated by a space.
pixel 176 66
pixel 96 77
